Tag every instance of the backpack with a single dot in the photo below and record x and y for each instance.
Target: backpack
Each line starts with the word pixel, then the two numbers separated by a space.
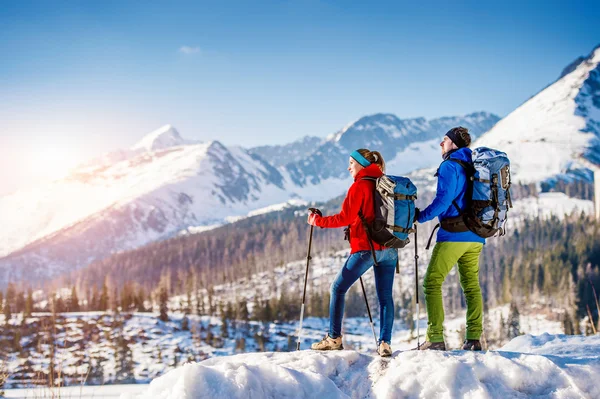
pixel 488 194
pixel 394 198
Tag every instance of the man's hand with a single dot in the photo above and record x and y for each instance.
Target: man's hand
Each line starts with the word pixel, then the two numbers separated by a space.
pixel 417 213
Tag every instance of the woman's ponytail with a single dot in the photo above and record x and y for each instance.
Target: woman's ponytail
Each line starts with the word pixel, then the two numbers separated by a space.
pixel 373 157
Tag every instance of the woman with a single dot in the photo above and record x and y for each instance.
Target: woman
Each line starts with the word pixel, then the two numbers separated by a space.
pixel 364 166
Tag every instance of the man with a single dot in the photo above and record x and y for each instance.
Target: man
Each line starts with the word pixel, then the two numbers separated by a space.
pixel 452 247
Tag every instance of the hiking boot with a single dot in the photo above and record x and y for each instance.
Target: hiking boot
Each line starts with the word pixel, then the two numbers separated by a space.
pixel 472 345
pixel 328 344
pixel 384 349
pixel 433 346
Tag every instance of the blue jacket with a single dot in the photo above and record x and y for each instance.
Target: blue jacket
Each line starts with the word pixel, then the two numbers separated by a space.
pixel 452 185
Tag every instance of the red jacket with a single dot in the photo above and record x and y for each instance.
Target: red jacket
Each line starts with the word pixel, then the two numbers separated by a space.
pixel 360 196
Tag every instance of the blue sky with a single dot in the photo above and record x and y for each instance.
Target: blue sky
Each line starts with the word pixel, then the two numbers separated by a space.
pixel 84 77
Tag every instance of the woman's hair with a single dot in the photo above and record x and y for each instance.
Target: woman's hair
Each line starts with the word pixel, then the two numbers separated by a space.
pixel 373 157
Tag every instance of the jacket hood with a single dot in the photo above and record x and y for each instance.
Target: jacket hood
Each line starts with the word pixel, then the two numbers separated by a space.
pixel 370 171
pixel 462 154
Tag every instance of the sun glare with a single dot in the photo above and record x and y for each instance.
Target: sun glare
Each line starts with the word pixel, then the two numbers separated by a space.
pixel 52 163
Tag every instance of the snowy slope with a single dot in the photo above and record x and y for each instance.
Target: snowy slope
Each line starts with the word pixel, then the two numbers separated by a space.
pixel 545 366
pixel 546 136
pixel 100 210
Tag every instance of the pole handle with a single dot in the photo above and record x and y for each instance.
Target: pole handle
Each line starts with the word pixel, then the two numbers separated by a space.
pixel 315 210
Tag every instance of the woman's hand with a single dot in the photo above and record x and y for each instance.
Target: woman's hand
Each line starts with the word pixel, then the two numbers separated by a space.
pixel 312 219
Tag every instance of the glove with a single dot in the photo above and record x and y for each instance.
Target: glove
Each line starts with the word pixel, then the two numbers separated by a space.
pixel 312 219
pixel 417 213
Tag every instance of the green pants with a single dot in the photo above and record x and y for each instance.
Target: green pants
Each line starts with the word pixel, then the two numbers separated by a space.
pixel 445 256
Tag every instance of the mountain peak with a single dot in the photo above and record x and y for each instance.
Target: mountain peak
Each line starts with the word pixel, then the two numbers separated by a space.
pixel 593 57
pixel 164 137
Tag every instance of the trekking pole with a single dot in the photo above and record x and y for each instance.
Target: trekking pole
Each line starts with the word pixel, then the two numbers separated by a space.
pixel 318 212
pixel 368 310
pixel 417 286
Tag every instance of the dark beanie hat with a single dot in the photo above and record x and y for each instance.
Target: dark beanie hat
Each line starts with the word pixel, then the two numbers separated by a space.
pixel 456 138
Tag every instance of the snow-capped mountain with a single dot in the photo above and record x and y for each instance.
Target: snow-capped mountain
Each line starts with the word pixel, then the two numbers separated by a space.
pixel 547 136
pixel 395 138
pixel 166 184
pixel 280 155
pixel 150 196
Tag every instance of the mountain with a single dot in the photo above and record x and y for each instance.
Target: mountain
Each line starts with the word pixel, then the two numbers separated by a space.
pixel 398 140
pixel 280 155
pixel 548 136
pixel 100 210
pixel 165 184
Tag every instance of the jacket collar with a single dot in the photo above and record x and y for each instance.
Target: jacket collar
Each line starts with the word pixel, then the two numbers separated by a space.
pixel 370 171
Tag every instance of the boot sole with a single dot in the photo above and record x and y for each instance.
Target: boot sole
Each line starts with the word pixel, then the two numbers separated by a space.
pixel 328 349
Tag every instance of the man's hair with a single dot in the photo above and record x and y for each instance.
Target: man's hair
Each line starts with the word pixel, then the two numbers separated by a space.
pixel 462 134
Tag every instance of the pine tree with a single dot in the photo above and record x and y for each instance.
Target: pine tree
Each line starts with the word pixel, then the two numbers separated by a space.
pixel 96 373
pixel 140 298
pixel 568 326
pixel 17 341
pixel 9 302
pixel 185 323
pixel 224 327
pixel 7 313
pixel 103 302
pixel 93 303
pixel 59 305
pixel 211 309
pixel 189 285
pixel 74 301
pixel 514 323
pixel 3 373
pixel 19 302
pixel 123 357
pixel 29 303
pixel 163 299
pixel 199 303
pixel 242 312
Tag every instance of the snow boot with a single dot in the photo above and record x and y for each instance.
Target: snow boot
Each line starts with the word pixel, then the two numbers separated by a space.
pixel 472 345
pixel 384 349
pixel 433 346
pixel 328 344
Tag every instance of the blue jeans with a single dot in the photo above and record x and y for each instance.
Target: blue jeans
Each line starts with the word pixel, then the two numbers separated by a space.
pixel 356 265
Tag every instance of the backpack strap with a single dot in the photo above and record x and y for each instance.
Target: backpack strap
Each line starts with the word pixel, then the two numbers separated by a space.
pixel 401 197
pixel 400 229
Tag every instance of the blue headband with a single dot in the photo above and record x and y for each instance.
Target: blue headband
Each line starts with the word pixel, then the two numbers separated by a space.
pixel 360 159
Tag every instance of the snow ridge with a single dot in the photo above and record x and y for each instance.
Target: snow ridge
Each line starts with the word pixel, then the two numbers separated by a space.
pixel 553 366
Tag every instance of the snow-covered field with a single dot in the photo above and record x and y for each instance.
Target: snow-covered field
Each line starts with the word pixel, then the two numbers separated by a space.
pixel 85 392
pixel 548 366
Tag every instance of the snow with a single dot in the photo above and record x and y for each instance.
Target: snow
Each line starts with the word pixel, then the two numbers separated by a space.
pixel 79 392
pixel 546 366
pixel 426 154
pixel 547 204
